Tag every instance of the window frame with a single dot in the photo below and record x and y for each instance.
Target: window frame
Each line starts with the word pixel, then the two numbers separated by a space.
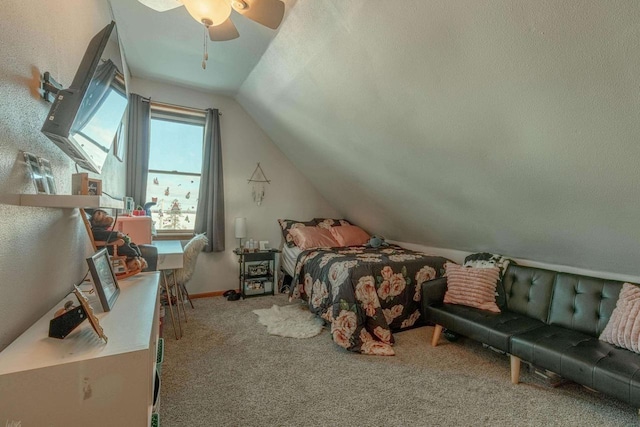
pixel 180 115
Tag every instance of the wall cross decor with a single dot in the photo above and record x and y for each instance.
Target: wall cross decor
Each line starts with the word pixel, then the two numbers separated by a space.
pixel 258 178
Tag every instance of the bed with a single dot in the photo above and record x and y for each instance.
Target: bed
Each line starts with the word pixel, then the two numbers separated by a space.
pixel 364 293
pixel 288 259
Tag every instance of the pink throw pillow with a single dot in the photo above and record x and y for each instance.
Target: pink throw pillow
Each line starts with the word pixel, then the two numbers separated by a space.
pixel 623 328
pixel 473 287
pixel 349 235
pixel 312 237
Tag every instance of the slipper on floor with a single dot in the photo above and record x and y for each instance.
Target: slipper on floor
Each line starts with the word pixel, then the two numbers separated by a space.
pixel 234 297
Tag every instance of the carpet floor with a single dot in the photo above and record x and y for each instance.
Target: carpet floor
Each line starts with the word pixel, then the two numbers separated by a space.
pixel 227 371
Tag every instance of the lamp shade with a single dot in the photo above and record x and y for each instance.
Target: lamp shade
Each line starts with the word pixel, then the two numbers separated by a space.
pixel 241 228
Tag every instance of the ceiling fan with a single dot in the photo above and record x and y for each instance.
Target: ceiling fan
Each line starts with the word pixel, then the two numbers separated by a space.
pixel 215 15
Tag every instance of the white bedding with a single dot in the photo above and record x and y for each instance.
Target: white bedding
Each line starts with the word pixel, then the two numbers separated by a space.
pixel 288 259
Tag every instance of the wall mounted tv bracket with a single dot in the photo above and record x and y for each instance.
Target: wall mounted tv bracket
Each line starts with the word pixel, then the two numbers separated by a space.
pixel 50 87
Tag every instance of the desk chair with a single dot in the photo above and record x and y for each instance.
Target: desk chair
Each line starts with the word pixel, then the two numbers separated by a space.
pixel 191 251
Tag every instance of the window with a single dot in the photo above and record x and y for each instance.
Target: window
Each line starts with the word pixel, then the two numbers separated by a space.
pixel 175 162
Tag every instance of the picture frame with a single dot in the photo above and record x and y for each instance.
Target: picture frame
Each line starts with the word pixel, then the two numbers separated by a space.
pixel 264 245
pixel 94 187
pixel 95 323
pixel 82 184
pixel 45 169
pixel 104 279
pixel 33 166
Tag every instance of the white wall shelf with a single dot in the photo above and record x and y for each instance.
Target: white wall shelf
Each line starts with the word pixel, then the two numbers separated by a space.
pixel 70 201
pixel 80 379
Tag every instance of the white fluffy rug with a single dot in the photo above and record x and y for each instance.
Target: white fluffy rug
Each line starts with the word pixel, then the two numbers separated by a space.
pixel 294 321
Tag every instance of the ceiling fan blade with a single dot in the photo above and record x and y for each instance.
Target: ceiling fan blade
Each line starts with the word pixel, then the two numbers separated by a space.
pixel 266 12
pixel 223 32
pixel 161 5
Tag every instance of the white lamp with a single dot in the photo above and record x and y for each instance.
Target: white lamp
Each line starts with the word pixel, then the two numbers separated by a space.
pixel 241 230
pixel 208 12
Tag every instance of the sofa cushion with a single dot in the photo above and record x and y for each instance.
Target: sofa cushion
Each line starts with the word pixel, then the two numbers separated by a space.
pixel 623 329
pixel 618 375
pixel 493 329
pixel 475 287
pixel 582 358
pixel 568 353
pixel 528 290
pixel 583 303
pixel 485 260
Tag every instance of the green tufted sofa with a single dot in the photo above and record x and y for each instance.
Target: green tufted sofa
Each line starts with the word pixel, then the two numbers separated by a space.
pixel 550 319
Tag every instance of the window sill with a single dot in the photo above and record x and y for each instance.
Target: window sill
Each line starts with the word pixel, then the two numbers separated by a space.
pixel 173 236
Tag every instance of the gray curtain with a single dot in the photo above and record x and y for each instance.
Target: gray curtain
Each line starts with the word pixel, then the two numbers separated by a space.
pixel 138 132
pixel 210 212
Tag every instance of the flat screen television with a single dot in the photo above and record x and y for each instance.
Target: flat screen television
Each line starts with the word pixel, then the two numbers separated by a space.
pixel 84 118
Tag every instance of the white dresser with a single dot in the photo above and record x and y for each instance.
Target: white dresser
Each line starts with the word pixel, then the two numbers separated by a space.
pixel 80 380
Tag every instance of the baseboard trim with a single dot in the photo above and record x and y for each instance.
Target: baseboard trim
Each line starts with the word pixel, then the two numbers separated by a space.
pixel 207 294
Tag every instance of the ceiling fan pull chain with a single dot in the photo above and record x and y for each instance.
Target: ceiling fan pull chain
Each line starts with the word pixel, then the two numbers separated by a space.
pixel 205 56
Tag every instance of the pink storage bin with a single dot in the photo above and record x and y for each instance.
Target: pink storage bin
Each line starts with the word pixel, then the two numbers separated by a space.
pixel 136 227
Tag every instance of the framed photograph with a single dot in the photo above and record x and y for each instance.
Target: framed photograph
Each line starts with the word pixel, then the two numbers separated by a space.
pixel 95 323
pixel 104 280
pixel 47 172
pixel 94 187
pixel 33 166
pixel 264 245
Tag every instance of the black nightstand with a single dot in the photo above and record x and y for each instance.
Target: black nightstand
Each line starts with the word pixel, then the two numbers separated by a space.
pixel 257 272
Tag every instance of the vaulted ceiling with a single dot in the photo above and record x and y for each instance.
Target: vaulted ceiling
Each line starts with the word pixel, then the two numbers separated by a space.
pixel 506 126
pixel 510 126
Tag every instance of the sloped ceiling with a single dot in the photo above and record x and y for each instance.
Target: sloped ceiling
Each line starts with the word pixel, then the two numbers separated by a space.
pixel 506 126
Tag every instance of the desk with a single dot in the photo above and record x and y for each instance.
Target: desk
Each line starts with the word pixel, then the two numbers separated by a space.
pixel 170 258
pixel 170 254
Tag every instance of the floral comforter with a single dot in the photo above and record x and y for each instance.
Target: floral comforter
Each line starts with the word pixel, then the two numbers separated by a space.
pixel 365 293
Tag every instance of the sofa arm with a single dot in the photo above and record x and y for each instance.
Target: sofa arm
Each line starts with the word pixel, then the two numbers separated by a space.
pixel 433 291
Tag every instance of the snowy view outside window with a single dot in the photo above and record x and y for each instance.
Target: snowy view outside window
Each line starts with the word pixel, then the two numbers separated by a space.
pixel 175 162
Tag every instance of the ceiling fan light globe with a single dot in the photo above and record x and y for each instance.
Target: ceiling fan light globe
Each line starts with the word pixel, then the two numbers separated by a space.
pixel 214 11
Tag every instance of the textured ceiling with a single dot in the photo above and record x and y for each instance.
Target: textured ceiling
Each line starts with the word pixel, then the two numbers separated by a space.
pixel 508 126
pixel 168 46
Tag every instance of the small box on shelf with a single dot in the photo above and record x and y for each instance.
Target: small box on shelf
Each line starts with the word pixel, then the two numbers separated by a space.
pixel 81 184
pixel 258 269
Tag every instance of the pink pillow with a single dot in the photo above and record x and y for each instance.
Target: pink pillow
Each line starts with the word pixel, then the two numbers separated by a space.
pixel 474 287
pixel 312 237
pixel 623 328
pixel 349 235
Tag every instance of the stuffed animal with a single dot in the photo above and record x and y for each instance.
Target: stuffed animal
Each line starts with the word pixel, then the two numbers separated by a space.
pixel 101 229
pixel 376 242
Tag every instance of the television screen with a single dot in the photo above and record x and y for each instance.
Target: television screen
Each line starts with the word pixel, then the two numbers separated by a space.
pixel 84 118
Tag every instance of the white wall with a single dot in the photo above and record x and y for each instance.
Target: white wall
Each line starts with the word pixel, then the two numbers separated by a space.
pixel 42 251
pixel 244 144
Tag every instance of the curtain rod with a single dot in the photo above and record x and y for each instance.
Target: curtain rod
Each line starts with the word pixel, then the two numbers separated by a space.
pixel 166 105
